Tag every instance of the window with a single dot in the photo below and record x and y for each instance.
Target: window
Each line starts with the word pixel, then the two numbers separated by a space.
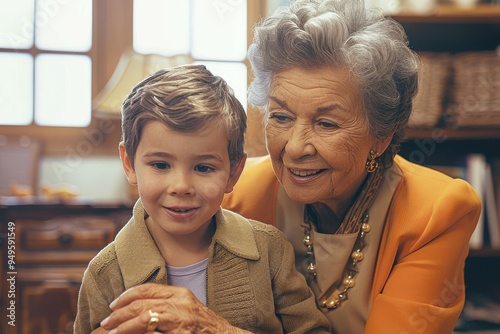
pixel 213 32
pixel 93 54
pixel 45 63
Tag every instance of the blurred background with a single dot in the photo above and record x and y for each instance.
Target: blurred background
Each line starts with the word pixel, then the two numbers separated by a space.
pixel 66 66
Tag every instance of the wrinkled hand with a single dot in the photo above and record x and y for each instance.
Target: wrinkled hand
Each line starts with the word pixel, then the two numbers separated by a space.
pixel 100 330
pixel 179 311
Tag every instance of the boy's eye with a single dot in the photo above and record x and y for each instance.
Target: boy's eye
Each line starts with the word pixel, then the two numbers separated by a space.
pixel 203 168
pixel 160 165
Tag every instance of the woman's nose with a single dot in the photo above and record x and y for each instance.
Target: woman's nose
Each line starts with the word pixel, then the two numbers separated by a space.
pixel 299 143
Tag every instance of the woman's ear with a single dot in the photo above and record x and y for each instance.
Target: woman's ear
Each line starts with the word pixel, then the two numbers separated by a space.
pixel 382 145
pixel 236 171
pixel 127 165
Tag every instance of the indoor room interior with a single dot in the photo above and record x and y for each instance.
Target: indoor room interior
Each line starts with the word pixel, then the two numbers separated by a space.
pixel 66 66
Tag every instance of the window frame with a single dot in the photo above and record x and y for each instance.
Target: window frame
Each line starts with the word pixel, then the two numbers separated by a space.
pixel 111 35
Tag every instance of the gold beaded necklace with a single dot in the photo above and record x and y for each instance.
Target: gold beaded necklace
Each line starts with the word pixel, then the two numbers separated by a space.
pixel 334 299
pixel 356 221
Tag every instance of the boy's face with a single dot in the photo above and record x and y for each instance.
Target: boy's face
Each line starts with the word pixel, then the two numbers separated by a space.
pixel 181 177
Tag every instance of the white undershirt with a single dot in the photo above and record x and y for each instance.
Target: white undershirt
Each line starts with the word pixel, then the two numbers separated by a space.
pixel 193 277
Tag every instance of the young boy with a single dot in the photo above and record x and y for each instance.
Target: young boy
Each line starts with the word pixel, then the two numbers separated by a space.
pixel 182 145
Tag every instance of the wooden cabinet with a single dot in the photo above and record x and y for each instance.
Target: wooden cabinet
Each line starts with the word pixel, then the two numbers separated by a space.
pixel 452 30
pixel 50 247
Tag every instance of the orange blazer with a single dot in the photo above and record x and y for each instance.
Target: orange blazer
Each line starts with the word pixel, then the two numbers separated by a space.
pixel 418 284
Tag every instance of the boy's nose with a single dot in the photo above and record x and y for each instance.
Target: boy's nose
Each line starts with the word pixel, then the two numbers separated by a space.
pixel 180 184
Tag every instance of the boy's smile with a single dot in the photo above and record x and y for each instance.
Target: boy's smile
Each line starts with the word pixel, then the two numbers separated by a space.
pixel 181 177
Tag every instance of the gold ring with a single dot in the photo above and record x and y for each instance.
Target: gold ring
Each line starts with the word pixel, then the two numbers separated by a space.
pixel 153 321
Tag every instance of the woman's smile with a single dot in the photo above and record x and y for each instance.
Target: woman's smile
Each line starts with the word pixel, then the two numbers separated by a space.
pixel 302 176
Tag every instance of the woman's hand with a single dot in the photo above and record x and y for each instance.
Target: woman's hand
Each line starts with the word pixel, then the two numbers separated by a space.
pixel 178 312
pixel 101 330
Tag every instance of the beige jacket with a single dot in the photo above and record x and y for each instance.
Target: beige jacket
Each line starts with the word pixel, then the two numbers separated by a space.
pixel 250 263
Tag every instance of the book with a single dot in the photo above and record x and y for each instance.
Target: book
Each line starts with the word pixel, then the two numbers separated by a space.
pixel 495 170
pixel 475 175
pixel 491 209
pixel 478 173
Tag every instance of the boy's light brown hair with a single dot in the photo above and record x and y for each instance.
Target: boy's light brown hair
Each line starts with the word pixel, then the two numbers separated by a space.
pixel 185 98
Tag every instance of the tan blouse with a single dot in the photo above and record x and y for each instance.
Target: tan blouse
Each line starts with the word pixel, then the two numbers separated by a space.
pixel 332 252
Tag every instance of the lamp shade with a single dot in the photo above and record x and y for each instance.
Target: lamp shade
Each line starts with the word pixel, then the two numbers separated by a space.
pixel 131 69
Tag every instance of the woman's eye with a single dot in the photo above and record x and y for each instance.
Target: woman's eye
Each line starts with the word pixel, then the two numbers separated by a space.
pixel 203 169
pixel 279 117
pixel 327 125
pixel 160 165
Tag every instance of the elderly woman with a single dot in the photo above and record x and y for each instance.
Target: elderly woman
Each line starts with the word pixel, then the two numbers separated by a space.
pixel 382 241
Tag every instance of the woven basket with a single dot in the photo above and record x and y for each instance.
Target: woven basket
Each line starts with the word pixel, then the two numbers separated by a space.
pixel 475 100
pixel 432 82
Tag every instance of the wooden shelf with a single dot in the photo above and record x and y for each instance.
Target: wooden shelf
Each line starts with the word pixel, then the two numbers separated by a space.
pixel 484 252
pixel 456 134
pixel 449 13
pixel 451 29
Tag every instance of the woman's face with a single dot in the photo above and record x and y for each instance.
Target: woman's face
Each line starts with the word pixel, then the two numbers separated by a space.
pixel 317 135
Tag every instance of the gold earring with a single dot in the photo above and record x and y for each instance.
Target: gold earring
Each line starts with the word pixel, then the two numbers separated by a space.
pixel 371 163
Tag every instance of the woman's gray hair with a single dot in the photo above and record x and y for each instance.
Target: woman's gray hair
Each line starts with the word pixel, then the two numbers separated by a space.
pixel 314 33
